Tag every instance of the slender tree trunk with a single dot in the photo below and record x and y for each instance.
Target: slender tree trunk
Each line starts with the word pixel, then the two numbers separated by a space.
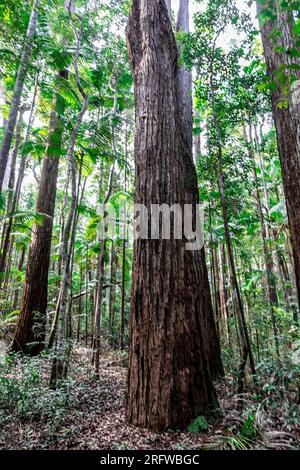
pixel 62 321
pixel 272 290
pixel 101 259
pixel 12 176
pixel 286 118
pixel 63 223
pixel 112 292
pixel 20 267
pixel 60 363
pixel 185 81
pixel 123 274
pixel 217 289
pixel 287 283
pixel 27 134
pixel 98 309
pixel 169 380
pixel 7 240
pixel 212 263
pixel 31 324
pixel 79 313
pixel 96 341
pixel 224 294
pixel 86 295
pixel 288 291
pixel 197 147
pixel 123 294
pixel 11 185
pixel 67 248
pixel 14 106
pixel 243 329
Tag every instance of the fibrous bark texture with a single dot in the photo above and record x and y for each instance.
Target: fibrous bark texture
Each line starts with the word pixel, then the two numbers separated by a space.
pixel 169 381
pixel 286 118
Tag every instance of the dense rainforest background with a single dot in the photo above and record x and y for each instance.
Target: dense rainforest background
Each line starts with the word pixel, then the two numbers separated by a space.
pixel 115 343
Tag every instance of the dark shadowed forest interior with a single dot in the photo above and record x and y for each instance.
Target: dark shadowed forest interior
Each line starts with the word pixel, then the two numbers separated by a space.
pixel 121 334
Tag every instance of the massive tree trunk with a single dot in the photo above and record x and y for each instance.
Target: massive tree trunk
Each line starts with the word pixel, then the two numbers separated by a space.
pixel 15 102
pixel 287 118
pixel 169 381
pixel 31 324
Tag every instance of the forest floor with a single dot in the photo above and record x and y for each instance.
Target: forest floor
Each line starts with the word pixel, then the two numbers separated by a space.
pixel 89 413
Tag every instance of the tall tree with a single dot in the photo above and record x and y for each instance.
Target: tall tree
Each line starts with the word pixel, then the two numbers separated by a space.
pixel 215 67
pixel 15 102
pixel 185 78
pixel 169 381
pixel 11 185
pixel 265 235
pixel 280 61
pixel 29 336
pixel 67 248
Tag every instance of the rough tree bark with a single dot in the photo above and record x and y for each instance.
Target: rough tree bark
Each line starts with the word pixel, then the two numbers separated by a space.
pixel 286 118
pixel 169 381
pixel 283 268
pixel 31 324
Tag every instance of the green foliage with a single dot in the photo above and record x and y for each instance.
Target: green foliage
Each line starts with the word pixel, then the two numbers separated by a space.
pixel 24 395
pixel 248 430
pixel 200 424
pixel 229 443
